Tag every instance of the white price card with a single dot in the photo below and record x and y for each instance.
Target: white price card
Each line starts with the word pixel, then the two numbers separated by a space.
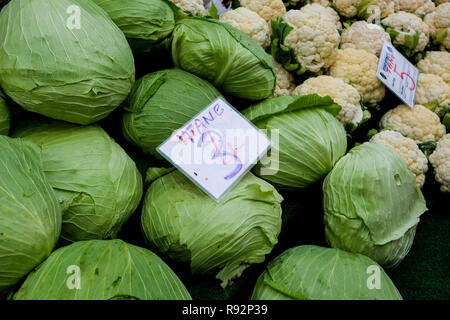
pixel 216 148
pixel 398 74
pixel 222 6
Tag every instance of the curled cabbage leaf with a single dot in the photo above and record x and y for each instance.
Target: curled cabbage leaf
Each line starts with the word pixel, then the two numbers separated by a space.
pixel 65 59
pixel 307 140
pixel 225 56
pixel 162 102
pixel 180 220
pixel 30 216
pixel 315 273
pixel 5 119
pixel 372 204
pixel 96 182
pixel 102 270
pixel 144 22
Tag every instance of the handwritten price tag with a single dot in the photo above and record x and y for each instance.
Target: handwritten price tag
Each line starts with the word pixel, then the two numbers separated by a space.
pixel 216 148
pixel 398 74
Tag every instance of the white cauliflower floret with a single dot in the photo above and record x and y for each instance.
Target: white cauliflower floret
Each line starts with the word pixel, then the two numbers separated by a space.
pixel 407 149
pixel 417 7
pixel 369 37
pixel 342 93
pixel 314 39
pixel 267 9
pixel 359 68
pixel 192 6
pixel 419 123
pixel 325 12
pixel 432 92
pixel 438 63
pixel 285 81
pixel 440 159
pixel 412 31
pixel 349 8
pixel 439 23
pixel 250 23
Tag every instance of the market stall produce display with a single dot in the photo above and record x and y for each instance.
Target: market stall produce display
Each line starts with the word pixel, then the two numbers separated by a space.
pixel 350 202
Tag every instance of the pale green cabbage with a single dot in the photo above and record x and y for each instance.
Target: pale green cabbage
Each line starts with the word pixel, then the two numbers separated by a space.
pixel 5 119
pixel 311 139
pixel 182 221
pixel 30 216
pixel 50 66
pixel 144 22
pixel 228 58
pixel 96 182
pixel 372 204
pixel 108 270
pixel 162 102
pixel 315 273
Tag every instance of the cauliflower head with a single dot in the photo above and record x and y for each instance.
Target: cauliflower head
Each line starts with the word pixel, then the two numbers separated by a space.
pixel 407 149
pixel 432 92
pixel 440 159
pixel 417 7
pixel 438 63
pixel 407 30
pixel 192 6
pixel 250 23
pixel 321 11
pixel 285 81
pixel 359 68
pixel 438 22
pixel 314 39
pixel 342 93
pixel 267 9
pixel 365 36
pixel 419 123
pixel 351 8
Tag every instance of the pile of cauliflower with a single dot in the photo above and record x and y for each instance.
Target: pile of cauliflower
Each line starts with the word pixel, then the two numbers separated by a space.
pixel 332 48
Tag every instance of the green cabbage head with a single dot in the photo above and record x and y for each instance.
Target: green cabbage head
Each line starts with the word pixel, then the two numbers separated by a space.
pixel 102 270
pixel 307 140
pixel 372 204
pixel 96 182
pixel 5 119
pixel 64 59
pixel 30 216
pixel 144 22
pixel 162 102
pixel 228 58
pixel 315 273
pixel 180 220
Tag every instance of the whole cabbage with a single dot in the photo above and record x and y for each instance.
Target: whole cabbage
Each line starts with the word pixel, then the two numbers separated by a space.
pixel 5 119
pixel 180 220
pixel 162 102
pixel 372 204
pixel 96 182
pixel 102 270
pixel 314 273
pixel 225 56
pixel 50 64
pixel 310 139
pixel 30 216
pixel 144 22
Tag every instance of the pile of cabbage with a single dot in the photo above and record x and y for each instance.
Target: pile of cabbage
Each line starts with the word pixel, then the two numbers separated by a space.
pixel 81 118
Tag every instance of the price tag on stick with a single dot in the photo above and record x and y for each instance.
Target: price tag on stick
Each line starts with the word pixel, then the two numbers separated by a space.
pixel 398 74
pixel 216 148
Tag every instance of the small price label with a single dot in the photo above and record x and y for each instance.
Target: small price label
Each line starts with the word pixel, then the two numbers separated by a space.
pixel 398 74
pixel 222 6
pixel 216 148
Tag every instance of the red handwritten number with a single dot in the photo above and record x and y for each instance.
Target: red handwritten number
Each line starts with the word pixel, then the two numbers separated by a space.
pixel 222 153
pixel 401 75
